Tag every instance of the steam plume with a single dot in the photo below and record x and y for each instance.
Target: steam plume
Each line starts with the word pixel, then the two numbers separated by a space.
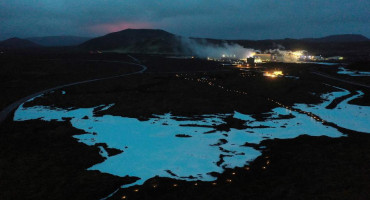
pixel 203 49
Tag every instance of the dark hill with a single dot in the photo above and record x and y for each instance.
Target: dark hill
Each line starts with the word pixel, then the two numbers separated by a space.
pixel 162 42
pixel 17 43
pixel 57 41
pixel 135 41
pixel 350 46
pixel 339 38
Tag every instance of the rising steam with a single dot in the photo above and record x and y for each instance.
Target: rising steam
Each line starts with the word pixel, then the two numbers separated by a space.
pixel 204 49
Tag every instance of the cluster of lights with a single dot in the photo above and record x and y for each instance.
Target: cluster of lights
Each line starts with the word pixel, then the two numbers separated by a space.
pixel 258 60
pixel 268 162
pixel 298 53
pixel 274 74
pixel 285 56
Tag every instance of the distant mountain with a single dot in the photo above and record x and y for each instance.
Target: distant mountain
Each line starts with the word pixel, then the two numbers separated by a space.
pixel 136 41
pixel 57 41
pixel 350 46
pixel 339 38
pixel 17 43
pixel 162 42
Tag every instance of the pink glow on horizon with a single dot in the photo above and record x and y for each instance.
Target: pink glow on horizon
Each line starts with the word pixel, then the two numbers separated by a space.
pixel 109 28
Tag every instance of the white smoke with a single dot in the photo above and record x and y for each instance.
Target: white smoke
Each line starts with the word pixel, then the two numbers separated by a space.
pixel 278 46
pixel 286 55
pixel 204 49
pixel 216 50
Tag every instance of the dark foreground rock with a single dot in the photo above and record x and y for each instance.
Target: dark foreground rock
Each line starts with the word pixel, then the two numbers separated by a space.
pixel 41 160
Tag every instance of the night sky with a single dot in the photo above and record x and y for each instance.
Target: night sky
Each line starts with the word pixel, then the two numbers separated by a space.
pixel 227 19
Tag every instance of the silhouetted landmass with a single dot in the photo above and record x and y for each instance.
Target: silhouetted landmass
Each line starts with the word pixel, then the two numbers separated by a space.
pixel 17 43
pixel 339 38
pixel 154 41
pixel 136 41
pixel 23 75
pixel 59 40
pixel 162 42
pixel 360 65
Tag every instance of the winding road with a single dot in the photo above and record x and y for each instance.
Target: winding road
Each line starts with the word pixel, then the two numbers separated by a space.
pixel 4 114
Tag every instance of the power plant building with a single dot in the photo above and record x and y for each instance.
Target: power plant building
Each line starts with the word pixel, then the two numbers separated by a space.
pixel 267 57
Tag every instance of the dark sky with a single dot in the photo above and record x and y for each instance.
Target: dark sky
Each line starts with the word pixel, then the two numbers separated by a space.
pixel 228 19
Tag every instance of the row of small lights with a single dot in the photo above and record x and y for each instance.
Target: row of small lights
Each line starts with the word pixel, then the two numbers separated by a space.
pixel 313 116
pixel 210 83
pixel 228 180
pixel 244 75
pixel 206 81
pixel 247 168
pixel 310 114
